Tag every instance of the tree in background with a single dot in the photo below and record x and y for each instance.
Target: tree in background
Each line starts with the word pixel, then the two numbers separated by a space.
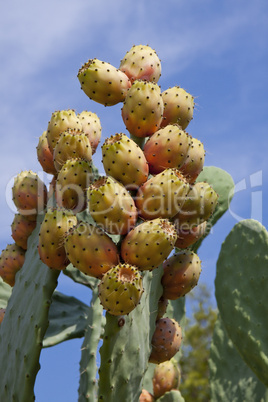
pixel 196 345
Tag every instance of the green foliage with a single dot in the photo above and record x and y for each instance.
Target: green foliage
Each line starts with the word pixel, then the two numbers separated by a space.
pixel 198 332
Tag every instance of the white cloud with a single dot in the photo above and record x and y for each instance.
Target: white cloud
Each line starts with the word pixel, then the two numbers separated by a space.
pixel 43 44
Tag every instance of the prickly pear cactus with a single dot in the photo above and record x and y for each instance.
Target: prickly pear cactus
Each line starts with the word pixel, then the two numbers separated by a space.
pixel 241 288
pixel 230 377
pixel 26 315
pixel 116 234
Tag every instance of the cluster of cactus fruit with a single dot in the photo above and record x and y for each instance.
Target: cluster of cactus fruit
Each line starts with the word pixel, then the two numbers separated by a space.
pixel 139 222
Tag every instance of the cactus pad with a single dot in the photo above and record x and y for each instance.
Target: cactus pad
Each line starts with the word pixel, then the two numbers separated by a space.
pixel 241 288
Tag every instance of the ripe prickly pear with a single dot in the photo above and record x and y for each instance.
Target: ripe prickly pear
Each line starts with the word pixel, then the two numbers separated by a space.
pixel 2 314
pixel 72 182
pixel 186 236
pixel 103 83
pixel 166 340
pixel 21 228
pixel 91 250
pixel 194 162
pixel 149 244
pixel 120 289
pixel 71 144
pixel 162 196
pixel 166 377
pixel 44 155
pixel 56 224
pixel 61 120
pixel 178 107
pixel 111 206
pixel 143 108
pixel 11 261
pixel 29 194
pixel 141 62
pixel 167 148
pixel 181 274
pixel 145 396
pixel 91 126
pixel 199 205
pixel 124 160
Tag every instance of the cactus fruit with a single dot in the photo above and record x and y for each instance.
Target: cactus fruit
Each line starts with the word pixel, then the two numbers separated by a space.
pixel 181 274
pixel 2 314
pixel 162 196
pixel 142 110
pixel 91 126
pixel 72 182
pixel 150 202
pixel 178 107
pixel 44 155
pixel 103 83
pixel 199 205
pixel 11 261
pixel 57 222
pixel 120 289
pixel 187 237
pixel 149 244
pixel 167 148
pixel 194 162
pixel 145 396
pixel 141 62
pixel 162 307
pixel 166 377
pixel 124 160
pixel 111 206
pixel 21 228
pixel 61 120
pixel 91 250
pixel 29 194
pixel 166 340
pixel 71 144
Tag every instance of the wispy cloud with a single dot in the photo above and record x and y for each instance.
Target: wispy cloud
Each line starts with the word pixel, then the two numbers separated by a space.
pixel 42 45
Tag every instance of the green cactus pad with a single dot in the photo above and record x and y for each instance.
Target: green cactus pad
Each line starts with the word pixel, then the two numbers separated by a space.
pixel 78 276
pixel 88 364
pixel 23 329
pixel 230 377
pixel 241 288
pixel 5 293
pixel 67 319
pixel 127 345
pixel 172 396
pixel 223 184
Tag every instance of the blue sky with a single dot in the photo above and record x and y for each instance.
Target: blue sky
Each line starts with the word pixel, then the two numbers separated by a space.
pixel 217 51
